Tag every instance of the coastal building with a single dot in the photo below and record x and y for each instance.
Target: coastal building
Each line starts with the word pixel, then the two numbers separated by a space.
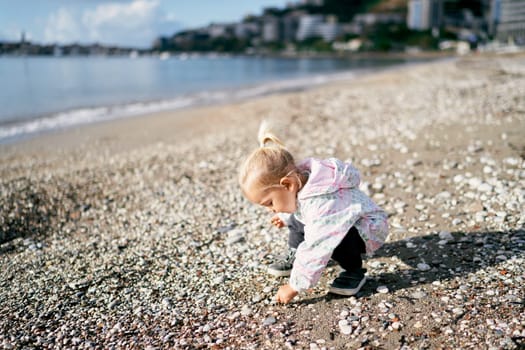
pixel 246 30
pixel 370 19
pixel 290 25
pixel 219 30
pixel 351 28
pixel 270 29
pixel 424 14
pixel 313 2
pixel 507 20
pixel 492 16
pixel 330 29
pixel 364 21
pixel 308 26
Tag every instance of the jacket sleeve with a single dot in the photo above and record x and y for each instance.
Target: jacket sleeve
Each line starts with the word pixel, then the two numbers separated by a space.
pixel 326 224
pixel 352 174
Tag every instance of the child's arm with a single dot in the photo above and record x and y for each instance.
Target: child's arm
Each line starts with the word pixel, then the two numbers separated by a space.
pixel 328 219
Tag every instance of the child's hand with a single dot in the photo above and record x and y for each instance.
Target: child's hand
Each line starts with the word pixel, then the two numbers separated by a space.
pixel 285 294
pixel 277 222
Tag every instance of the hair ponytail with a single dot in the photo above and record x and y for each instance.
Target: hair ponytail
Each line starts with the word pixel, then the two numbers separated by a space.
pixel 265 135
pixel 267 164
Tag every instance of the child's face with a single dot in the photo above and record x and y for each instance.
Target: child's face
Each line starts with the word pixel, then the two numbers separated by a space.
pixel 279 198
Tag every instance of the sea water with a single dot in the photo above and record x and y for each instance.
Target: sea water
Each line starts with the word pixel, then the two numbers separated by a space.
pixel 39 94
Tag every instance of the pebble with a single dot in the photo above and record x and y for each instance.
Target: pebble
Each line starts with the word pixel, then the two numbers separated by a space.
pixel 456 221
pixel 235 236
pixel 167 302
pixel 246 310
pixel 419 295
pixel 446 235
pixel 374 264
pixel 410 245
pixel 269 321
pixel 484 187
pixel 345 329
pixel 396 325
pixel 382 289
pixel 458 311
pixel 423 267
pixel 267 289
pixel 218 280
pixel 234 316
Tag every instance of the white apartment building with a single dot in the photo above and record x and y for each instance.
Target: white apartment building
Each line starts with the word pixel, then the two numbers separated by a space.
pixel 507 20
pixel 308 26
pixel 328 31
pixel 270 29
pixel 424 14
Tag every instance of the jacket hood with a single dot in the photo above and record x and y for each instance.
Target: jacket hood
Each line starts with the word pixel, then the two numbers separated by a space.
pixel 327 176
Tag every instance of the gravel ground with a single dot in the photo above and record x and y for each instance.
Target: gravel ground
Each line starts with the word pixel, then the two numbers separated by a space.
pixel 152 246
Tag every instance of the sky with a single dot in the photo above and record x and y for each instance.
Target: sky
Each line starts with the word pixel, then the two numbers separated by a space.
pixel 118 22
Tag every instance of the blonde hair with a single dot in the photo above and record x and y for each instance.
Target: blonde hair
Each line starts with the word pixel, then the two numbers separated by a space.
pixel 269 163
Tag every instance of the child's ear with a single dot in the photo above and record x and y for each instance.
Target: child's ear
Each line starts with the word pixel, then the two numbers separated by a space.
pixel 287 182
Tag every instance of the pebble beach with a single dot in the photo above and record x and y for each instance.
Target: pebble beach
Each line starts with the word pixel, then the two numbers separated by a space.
pixel 133 234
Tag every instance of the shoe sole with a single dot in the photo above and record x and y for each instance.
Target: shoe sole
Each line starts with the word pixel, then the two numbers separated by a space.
pixel 279 273
pixel 346 291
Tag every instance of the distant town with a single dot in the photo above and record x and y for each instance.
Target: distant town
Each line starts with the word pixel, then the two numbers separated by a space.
pixel 330 26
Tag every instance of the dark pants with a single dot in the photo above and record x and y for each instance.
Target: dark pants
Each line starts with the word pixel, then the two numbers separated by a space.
pixel 347 253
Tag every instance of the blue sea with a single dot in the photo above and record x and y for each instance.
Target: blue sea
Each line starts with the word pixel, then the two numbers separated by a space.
pixel 40 94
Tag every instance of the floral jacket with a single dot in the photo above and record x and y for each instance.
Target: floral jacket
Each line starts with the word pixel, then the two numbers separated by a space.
pixel 329 204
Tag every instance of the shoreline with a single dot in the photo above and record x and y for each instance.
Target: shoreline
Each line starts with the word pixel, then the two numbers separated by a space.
pixel 298 55
pixel 14 132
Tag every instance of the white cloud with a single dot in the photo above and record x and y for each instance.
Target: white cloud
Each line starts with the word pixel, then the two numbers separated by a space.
pixel 171 17
pixel 125 24
pixel 13 34
pixel 62 27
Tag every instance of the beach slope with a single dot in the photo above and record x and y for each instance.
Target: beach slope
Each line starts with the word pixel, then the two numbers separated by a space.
pixel 134 234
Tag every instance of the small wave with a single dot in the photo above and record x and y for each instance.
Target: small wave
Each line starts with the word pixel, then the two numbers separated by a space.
pixel 84 116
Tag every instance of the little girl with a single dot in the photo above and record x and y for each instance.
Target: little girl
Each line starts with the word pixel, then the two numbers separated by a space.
pixel 332 218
